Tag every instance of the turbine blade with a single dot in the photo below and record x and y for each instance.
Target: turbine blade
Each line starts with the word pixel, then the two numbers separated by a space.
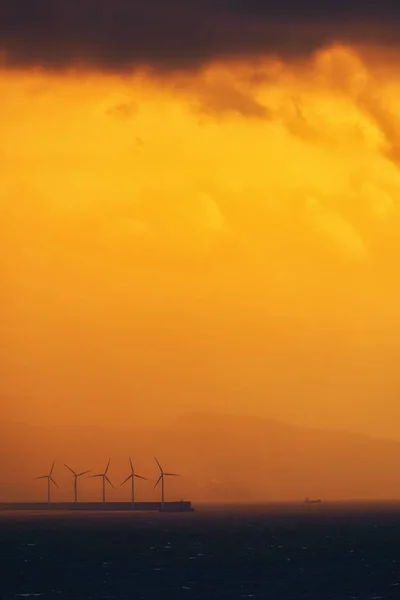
pixel 172 474
pixel 159 466
pixel 106 478
pixel 52 480
pixel 52 467
pixel 108 464
pixel 127 479
pixel 83 473
pixel 99 475
pixel 69 469
pixel 140 477
pixel 130 462
pixel 42 477
pixel 158 481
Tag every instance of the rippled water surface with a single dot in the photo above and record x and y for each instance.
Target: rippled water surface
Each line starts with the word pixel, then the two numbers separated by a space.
pixel 278 553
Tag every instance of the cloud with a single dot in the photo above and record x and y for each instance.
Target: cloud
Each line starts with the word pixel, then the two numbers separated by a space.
pixel 161 239
pixel 234 159
pixel 209 213
pixel 172 34
pixel 379 202
pixel 225 98
pixel 385 118
pixel 124 110
pixel 335 229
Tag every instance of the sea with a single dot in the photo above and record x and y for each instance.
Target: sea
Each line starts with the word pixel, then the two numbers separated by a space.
pixel 275 552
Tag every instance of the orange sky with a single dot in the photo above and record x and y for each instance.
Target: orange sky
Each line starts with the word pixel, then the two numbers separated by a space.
pixel 227 240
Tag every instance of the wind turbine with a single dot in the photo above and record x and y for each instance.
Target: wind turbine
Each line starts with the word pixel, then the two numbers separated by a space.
pixel 132 476
pixel 161 478
pixel 50 480
pixel 105 479
pixel 76 475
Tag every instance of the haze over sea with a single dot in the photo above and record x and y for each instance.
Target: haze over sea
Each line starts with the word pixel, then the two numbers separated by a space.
pixel 282 552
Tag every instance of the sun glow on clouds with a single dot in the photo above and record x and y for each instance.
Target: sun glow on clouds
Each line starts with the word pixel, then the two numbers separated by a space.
pixel 156 209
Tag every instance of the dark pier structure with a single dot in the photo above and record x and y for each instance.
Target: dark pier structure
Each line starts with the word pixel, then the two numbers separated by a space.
pixel 183 506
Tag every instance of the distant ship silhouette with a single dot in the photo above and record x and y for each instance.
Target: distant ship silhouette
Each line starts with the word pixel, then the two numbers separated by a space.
pixel 310 501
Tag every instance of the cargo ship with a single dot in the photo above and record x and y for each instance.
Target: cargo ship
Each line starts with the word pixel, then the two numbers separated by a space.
pixel 182 506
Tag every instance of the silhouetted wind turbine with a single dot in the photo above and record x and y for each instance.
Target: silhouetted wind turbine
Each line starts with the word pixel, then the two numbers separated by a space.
pixel 76 475
pixel 132 476
pixel 105 479
pixel 50 480
pixel 161 478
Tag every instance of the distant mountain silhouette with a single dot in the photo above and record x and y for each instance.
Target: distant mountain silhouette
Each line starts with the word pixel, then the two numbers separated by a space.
pixel 220 457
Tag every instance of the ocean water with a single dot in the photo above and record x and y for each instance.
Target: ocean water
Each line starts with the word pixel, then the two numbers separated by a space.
pixel 279 553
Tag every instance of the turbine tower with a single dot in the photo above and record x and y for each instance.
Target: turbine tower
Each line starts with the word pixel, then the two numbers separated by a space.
pixel 161 478
pixel 105 479
pixel 132 476
pixel 76 476
pixel 50 481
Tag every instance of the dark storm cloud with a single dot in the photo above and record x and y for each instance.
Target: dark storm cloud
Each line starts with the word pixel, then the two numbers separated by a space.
pixel 119 34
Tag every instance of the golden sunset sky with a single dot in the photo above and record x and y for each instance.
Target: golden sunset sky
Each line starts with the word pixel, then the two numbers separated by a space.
pixel 218 236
